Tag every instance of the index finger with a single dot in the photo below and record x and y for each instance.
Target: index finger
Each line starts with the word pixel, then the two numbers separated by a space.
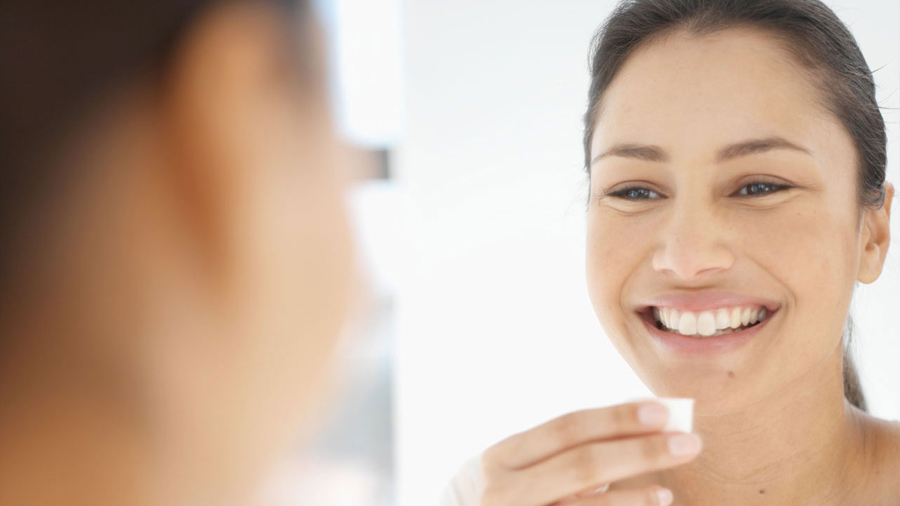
pixel 579 427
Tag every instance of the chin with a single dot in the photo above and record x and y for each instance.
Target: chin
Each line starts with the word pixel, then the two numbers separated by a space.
pixel 718 386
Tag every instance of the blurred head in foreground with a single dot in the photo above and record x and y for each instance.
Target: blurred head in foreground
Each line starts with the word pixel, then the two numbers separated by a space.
pixel 174 253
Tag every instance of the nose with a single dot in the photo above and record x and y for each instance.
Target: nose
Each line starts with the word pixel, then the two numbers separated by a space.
pixel 693 243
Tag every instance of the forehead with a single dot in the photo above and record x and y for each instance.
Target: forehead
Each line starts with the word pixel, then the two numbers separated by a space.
pixel 698 92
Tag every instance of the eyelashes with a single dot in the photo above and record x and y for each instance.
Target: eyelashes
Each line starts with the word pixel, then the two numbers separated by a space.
pixel 773 187
pixel 637 193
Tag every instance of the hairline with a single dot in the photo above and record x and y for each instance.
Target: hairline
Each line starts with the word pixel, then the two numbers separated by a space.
pixel 812 68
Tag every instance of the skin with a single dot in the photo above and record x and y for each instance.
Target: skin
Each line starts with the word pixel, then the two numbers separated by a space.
pixel 771 413
pixel 771 423
pixel 173 332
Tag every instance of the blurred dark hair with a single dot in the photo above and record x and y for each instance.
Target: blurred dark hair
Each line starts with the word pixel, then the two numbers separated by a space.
pixel 821 43
pixel 58 59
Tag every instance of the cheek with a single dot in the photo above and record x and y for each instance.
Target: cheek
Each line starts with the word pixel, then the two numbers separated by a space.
pixel 806 251
pixel 312 263
pixel 615 249
pixel 806 248
pixel 315 271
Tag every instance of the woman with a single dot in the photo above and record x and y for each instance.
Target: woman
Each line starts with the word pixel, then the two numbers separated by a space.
pixel 736 157
pixel 175 254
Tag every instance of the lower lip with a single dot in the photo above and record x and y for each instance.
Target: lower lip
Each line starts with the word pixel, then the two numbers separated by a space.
pixel 705 345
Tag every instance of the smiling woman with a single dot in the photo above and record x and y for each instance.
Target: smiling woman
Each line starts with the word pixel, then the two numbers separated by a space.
pixel 736 157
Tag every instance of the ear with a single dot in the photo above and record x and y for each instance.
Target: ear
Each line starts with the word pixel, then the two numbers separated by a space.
pixel 230 110
pixel 254 296
pixel 875 238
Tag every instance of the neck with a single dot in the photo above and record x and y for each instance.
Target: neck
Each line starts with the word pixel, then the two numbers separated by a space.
pixel 78 424
pixel 801 446
pixel 75 431
pixel 77 419
pixel 63 444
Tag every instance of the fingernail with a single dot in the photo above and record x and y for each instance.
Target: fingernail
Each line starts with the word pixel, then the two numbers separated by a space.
pixel 653 414
pixel 684 444
pixel 665 496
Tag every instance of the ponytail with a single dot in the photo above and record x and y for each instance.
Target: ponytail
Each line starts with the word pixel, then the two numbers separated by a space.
pixel 852 388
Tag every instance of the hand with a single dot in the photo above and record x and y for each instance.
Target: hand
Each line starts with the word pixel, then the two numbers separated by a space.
pixel 566 459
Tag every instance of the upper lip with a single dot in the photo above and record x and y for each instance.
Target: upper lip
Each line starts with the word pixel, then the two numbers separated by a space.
pixel 706 300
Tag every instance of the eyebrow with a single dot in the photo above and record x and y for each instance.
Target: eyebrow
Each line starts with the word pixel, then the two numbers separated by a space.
pixel 657 154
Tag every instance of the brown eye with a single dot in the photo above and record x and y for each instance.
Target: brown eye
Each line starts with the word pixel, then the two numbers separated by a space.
pixel 760 189
pixel 635 193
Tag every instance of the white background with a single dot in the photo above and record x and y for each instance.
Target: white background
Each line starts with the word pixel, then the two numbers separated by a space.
pixel 496 333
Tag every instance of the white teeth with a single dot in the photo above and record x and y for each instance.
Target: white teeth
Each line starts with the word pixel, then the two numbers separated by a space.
pixel 687 325
pixel 709 323
pixel 745 316
pixel 706 323
pixel 735 317
pixel 723 320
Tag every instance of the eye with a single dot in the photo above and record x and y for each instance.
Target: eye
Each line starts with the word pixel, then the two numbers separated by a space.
pixel 760 188
pixel 635 193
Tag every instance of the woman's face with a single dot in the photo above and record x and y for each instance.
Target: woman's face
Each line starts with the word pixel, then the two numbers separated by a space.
pixel 741 202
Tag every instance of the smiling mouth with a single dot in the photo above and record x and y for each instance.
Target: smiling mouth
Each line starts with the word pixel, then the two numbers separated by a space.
pixel 706 324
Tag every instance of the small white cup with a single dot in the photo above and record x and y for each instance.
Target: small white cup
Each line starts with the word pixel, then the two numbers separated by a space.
pixel 681 414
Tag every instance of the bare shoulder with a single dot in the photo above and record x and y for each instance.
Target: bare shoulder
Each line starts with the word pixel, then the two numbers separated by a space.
pixel 886 442
pixel 883 445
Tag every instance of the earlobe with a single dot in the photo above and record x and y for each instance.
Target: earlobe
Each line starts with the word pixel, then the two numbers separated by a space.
pixel 876 239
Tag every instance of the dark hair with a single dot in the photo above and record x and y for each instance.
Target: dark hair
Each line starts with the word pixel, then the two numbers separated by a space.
pixel 57 58
pixel 813 34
